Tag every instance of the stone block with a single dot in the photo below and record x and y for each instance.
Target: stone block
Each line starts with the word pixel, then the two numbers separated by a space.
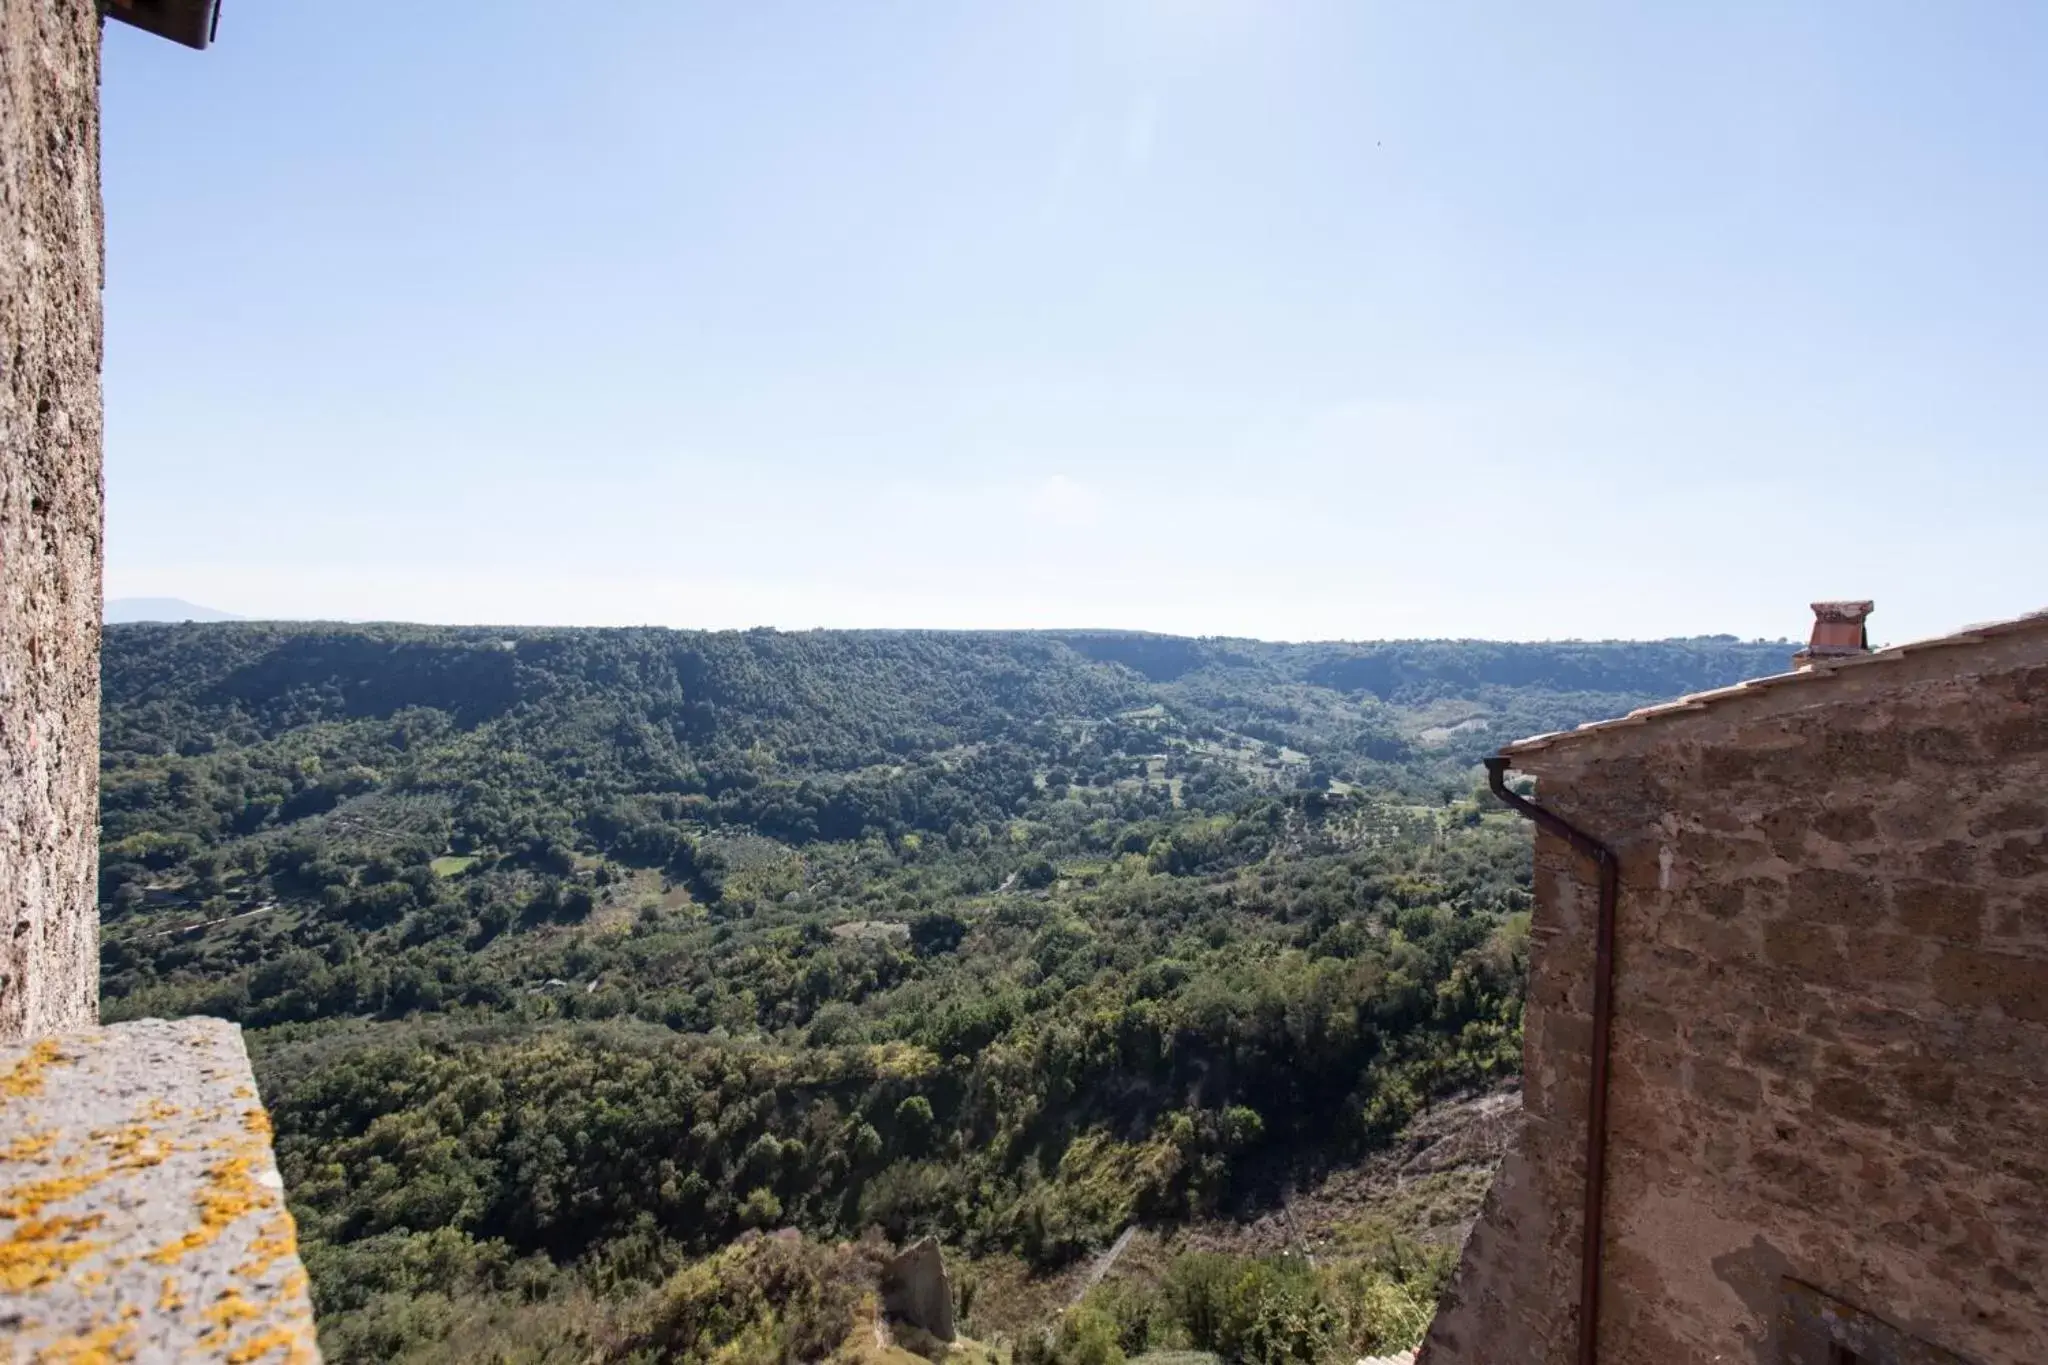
pixel 141 1214
pixel 2026 733
pixel 1969 978
pixel 1813 951
pixel 1848 1097
pixel 1831 897
pixel 2019 858
pixel 1852 825
pixel 1777 1050
pixel 1952 860
pixel 1731 1087
pixel 2023 917
pixel 1940 746
pixel 2015 816
pixel 1940 909
pixel 1887 961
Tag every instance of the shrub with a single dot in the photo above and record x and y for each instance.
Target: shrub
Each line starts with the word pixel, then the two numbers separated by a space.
pixel 1084 1336
pixel 762 1299
pixel 1263 1312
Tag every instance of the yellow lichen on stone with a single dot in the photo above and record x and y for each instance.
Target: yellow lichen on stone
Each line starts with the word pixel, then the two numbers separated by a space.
pixel 134 1144
pixel 229 1309
pixel 25 1077
pixel 124 1139
pixel 99 1346
pixel 229 1194
pixel 277 1239
pixel 26 1200
pixel 171 1300
pixel 30 1147
pixel 256 1121
pixel 39 1249
pixel 289 1340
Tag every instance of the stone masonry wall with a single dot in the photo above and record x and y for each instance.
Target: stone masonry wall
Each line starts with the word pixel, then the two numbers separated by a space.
pixel 50 519
pixel 1831 1019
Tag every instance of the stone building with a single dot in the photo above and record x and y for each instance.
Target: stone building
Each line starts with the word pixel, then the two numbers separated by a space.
pixel 1822 1137
pixel 141 1216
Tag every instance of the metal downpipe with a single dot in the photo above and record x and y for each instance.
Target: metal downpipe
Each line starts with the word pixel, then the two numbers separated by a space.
pixel 1603 1026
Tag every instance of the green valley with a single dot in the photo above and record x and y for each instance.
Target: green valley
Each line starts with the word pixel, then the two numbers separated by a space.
pixel 623 994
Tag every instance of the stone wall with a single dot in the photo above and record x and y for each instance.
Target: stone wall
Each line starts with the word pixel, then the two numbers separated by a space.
pixel 141 1214
pixel 50 254
pixel 1830 1027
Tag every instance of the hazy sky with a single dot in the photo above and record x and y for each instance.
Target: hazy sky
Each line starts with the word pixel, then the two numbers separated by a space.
pixel 1260 317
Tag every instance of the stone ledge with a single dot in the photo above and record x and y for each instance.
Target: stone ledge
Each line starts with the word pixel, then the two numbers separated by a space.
pixel 141 1213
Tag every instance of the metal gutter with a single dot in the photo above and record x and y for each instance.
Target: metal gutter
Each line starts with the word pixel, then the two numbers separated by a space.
pixel 1603 1027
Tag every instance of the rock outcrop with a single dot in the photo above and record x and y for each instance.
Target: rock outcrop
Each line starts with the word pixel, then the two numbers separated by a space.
pixel 915 1288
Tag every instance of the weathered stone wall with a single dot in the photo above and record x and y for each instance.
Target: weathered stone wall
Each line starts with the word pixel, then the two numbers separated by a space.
pixel 1830 1029
pixel 49 515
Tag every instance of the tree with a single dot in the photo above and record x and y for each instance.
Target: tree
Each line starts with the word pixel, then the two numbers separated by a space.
pixel 936 931
pixel 760 1209
pixel 914 1126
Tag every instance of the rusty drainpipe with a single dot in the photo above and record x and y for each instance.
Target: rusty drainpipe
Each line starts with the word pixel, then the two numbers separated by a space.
pixel 1603 1025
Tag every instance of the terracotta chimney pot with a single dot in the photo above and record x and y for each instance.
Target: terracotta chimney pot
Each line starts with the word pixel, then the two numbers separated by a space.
pixel 1838 632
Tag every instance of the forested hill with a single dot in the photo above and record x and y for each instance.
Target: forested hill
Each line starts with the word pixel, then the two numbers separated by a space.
pixel 570 957
pixel 841 699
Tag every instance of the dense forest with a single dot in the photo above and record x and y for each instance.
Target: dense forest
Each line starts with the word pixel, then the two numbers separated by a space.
pixel 620 994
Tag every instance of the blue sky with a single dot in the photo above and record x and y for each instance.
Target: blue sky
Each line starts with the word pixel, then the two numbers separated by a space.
pixel 1287 319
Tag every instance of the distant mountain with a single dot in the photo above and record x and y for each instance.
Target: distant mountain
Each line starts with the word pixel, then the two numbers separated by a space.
pixel 127 609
